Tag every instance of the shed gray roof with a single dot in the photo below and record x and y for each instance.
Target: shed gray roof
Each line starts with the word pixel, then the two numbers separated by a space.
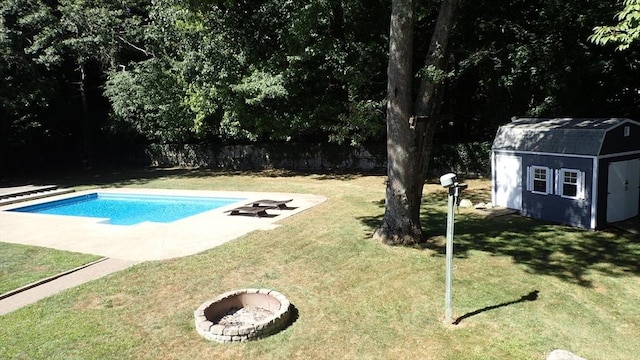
pixel 577 136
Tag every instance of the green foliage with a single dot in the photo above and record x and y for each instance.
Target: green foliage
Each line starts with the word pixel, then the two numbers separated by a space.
pixel 364 121
pixel 259 86
pixel 27 58
pixel 463 158
pixel 522 58
pixel 430 73
pixel 39 22
pixel 625 32
pixel 297 71
pixel 148 99
pixel 43 44
pixel 100 30
pixel 281 70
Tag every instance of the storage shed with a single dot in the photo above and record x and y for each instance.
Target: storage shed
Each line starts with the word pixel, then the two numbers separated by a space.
pixel 578 172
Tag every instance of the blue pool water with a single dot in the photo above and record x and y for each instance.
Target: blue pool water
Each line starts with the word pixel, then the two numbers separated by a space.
pixel 130 209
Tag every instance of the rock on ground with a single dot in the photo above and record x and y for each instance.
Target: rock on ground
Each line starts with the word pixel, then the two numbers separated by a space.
pixel 563 355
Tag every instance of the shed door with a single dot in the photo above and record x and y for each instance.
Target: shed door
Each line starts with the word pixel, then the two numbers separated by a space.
pixel 623 190
pixel 508 181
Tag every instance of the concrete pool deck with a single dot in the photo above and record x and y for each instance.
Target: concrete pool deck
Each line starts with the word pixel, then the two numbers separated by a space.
pixel 145 241
pixel 124 246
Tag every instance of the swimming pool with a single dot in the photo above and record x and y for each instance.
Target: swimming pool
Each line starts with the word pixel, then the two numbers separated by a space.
pixel 130 209
pixel 147 240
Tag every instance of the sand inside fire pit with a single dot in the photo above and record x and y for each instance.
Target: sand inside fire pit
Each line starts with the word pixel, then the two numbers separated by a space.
pixel 249 315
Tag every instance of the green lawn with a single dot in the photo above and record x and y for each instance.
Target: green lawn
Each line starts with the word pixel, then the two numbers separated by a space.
pixel 21 265
pixel 521 288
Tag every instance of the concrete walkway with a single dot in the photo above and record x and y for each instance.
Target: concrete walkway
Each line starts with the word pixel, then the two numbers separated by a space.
pixel 34 292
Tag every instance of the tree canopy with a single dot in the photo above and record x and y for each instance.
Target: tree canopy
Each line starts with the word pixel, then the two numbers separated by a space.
pixel 84 77
pixel 625 32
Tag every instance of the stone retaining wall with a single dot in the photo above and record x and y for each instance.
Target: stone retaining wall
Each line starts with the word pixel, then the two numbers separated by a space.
pixel 472 158
pixel 315 157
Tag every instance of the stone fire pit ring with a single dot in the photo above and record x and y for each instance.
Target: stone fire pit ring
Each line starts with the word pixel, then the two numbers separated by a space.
pixel 243 315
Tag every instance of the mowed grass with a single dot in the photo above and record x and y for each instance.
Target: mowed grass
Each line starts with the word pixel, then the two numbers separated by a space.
pixel 521 287
pixel 21 265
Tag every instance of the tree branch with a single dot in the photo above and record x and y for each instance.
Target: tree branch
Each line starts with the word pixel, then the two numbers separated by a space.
pixel 147 53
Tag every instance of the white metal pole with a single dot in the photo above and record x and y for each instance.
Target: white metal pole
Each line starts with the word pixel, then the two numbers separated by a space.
pixel 449 256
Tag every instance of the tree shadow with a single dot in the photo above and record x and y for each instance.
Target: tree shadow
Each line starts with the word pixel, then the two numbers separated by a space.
pixel 532 296
pixel 567 253
pixel 564 252
pixel 126 176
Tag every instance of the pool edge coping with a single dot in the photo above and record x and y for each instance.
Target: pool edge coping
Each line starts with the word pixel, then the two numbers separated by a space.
pixel 199 232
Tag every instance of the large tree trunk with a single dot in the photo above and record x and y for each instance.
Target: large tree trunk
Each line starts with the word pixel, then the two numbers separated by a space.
pixel 401 223
pixel 409 142
pixel 429 96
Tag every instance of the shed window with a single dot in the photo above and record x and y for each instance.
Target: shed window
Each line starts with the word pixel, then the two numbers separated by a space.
pixel 570 183
pixel 627 131
pixel 539 180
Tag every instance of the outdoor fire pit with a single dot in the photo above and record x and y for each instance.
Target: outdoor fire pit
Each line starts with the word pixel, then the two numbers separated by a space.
pixel 242 315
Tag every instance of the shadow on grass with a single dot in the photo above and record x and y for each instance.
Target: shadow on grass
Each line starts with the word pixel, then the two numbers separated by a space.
pixel 140 176
pixel 532 296
pixel 543 248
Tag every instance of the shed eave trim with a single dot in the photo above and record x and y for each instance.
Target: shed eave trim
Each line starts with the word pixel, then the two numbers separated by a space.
pixel 624 121
pixel 614 155
pixel 544 153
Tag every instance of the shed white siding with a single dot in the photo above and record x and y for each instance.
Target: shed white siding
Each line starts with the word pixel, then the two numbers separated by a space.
pixel 507 189
pixel 576 171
